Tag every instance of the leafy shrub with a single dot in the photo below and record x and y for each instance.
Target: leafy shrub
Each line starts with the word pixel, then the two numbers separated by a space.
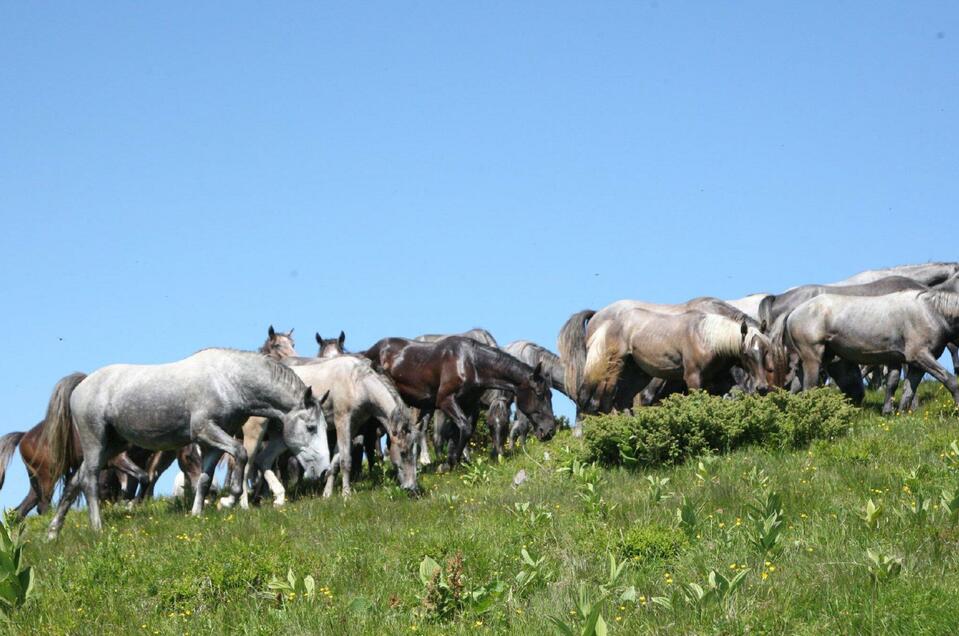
pixel 696 424
pixel 653 543
pixel 16 579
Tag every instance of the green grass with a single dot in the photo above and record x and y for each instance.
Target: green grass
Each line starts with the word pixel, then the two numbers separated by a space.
pixel 156 570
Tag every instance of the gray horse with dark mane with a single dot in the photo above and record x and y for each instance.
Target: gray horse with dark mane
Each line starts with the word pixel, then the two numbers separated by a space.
pixel 908 327
pixel 204 398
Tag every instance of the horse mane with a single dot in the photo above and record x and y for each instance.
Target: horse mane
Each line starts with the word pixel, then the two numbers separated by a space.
pixel 279 372
pixel 722 334
pixel 945 302
pixel 501 360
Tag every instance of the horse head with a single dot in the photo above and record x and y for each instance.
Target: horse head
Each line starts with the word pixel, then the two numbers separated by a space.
pixel 332 347
pixel 758 357
pixel 535 400
pixel 403 448
pixel 278 345
pixel 304 431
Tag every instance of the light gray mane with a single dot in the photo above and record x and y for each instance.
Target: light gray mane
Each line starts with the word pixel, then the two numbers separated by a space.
pixel 945 302
pixel 722 334
pixel 279 373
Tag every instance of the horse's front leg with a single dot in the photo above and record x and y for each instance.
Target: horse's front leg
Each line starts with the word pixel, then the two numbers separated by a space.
pixel 210 435
pixel 265 459
pixel 344 445
pixel 454 411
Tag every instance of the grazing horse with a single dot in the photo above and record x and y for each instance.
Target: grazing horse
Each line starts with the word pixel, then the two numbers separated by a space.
pixel 204 398
pixel 452 374
pixel 444 430
pixel 907 327
pixel 928 274
pixel 692 346
pixel 356 398
pixel 532 354
pixel 775 309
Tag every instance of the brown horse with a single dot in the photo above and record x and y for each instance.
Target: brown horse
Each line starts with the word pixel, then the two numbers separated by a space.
pixel 453 373
pixel 43 476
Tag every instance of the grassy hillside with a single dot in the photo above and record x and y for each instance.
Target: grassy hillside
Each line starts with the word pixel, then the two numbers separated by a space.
pixel 157 571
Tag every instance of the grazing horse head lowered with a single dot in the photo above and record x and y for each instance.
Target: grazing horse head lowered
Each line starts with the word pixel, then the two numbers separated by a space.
pixel 451 375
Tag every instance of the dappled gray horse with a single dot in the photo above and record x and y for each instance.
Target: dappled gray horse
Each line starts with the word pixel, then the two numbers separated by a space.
pixel 908 327
pixel 204 398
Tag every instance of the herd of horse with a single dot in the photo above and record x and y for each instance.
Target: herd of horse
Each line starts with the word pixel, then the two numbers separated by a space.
pixel 281 418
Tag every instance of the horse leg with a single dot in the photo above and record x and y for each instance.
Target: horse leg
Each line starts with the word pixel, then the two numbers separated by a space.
pixel 211 457
pixel 122 462
pixel 29 503
pixel 954 352
pixel 913 378
pixel 159 462
pixel 811 365
pixel 928 362
pixel 892 382
pixel 848 378
pixel 66 500
pixel 452 409
pixel 344 445
pixel 693 378
pixel 209 434
pixel 265 459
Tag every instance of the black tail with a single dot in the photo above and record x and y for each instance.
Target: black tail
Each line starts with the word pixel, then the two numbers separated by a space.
pixel 8 443
pixel 572 349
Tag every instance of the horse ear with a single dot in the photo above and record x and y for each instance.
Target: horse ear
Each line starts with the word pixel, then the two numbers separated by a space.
pixel 744 328
pixel 289 333
pixel 342 338
pixel 319 340
pixel 308 396
pixel 271 333
pixel 325 397
pixel 538 370
pixel 763 325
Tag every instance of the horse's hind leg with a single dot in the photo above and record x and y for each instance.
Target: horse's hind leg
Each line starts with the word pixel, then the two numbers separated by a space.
pixel 913 377
pixel 931 366
pixel 123 463
pixel 212 436
pixel 892 383
pixel 66 500
pixel 954 352
pixel 29 503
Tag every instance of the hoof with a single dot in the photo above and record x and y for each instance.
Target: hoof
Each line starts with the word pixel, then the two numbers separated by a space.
pixel 444 468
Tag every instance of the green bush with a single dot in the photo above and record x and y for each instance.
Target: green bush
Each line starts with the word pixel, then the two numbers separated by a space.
pixel 690 425
pixel 653 543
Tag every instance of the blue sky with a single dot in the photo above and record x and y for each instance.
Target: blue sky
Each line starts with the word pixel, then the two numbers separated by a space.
pixel 174 177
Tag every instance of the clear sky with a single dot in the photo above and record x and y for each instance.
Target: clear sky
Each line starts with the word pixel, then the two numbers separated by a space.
pixel 178 176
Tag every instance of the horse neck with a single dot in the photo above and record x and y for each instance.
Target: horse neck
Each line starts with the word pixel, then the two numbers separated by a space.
pixel 553 367
pixel 265 381
pixel 947 306
pixel 500 370
pixel 382 394
pixel 722 335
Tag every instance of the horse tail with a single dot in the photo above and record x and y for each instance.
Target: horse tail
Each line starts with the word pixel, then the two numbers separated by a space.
pixel 572 349
pixel 8 443
pixel 58 425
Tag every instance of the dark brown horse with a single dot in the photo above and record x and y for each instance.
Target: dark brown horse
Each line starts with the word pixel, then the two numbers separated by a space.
pixel 43 477
pixel 451 375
